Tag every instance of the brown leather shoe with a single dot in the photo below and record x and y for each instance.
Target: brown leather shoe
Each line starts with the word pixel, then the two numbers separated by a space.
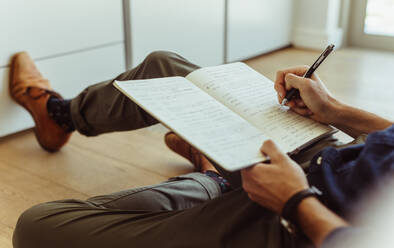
pixel 30 90
pixel 181 147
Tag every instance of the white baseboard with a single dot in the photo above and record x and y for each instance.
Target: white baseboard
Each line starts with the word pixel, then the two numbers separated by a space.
pixel 317 39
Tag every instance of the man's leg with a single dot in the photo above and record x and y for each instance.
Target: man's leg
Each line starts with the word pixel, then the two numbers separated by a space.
pixel 123 219
pixel 101 108
pixel 98 109
pixel 177 213
pixel 111 220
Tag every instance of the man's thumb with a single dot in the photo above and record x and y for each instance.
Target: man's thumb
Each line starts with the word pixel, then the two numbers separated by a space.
pixel 269 148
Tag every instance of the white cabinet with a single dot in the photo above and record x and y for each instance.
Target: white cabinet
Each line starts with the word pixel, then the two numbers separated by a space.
pixel 48 28
pixel 75 43
pixel 196 29
pixel 257 26
pixel 192 28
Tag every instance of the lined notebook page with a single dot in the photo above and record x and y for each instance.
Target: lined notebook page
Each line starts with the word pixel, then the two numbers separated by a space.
pixel 252 96
pixel 208 125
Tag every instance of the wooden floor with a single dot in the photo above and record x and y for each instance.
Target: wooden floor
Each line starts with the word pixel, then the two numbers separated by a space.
pixel 112 162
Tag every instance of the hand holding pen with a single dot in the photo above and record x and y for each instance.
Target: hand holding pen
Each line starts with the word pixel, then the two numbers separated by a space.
pixel 293 92
pixel 314 100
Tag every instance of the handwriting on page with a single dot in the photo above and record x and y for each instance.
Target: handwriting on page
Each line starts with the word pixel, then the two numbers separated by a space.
pixel 253 97
pixel 207 124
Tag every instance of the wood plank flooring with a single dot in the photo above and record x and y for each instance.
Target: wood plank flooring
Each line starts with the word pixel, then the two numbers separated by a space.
pixel 116 161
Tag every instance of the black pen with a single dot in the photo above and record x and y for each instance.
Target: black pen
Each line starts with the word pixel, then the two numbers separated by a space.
pixel 293 92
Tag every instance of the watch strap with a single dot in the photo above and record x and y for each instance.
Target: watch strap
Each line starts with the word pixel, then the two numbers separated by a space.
pixel 290 207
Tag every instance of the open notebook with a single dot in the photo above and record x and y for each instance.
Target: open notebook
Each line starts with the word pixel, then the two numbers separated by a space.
pixel 226 112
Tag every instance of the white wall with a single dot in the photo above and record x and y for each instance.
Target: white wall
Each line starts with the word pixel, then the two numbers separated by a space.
pixel 257 26
pixel 316 23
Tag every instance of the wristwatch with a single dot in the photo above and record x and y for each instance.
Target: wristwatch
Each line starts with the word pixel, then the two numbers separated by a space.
pixel 290 207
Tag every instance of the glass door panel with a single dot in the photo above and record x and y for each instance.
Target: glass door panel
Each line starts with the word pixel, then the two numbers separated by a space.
pixel 372 24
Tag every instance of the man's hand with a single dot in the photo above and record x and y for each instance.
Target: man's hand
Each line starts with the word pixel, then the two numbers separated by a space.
pixel 271 185
pixel 315 101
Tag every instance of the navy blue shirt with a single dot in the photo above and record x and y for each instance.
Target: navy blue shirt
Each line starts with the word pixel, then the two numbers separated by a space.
pixel 346 175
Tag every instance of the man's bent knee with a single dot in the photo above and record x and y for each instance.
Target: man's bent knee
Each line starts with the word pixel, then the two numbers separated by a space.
pixel 27 229
pixel 36 227
pixel 166 64
pixel 159 56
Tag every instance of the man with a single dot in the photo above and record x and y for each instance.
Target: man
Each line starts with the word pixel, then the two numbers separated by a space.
pixel 203 209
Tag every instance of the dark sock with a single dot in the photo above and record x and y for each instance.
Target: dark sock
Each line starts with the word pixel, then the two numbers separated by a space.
pixel 221 181
pixel 59 111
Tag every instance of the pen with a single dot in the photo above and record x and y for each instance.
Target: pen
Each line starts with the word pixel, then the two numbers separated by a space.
pixel 293 92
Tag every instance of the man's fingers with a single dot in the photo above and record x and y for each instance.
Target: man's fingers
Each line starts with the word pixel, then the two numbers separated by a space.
pixel 293 81
pixel 280 78
pixel 280 85
pixel 280 89
pixel 254 170
pixel 279 98
pixel 302 111
pixel 251 176
pixel 250 171
pixel 300 103
pixel 299 70
pixel 269 148
pixel 291 75
pixel 291 104
pixel 247 175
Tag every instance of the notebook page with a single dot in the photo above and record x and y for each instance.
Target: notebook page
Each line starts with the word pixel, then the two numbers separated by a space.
pixel 253 97
pixel 205 123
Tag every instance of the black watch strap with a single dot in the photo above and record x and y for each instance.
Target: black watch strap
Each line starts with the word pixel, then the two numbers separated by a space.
pixel 290 207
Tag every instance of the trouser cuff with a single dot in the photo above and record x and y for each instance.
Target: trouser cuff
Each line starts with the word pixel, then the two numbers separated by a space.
pixel 79 122
pixel 209 184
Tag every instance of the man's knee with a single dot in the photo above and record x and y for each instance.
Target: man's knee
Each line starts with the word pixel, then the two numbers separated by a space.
pixel 160 57
pixel 36 227
pixel 27 230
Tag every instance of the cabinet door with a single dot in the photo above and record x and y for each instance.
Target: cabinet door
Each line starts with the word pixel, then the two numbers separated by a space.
pixel 192 28
pixel 257 26
pixel 47 28
pixel 68 74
